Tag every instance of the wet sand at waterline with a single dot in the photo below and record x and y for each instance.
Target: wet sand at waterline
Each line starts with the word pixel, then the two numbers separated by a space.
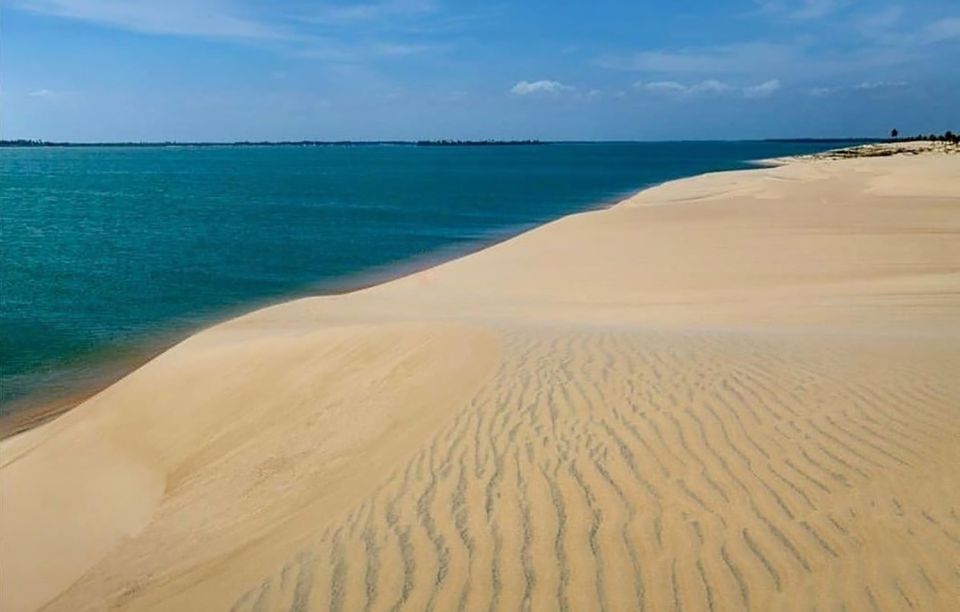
pixel 736 391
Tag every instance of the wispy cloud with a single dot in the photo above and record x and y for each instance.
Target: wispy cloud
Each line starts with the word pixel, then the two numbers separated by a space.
pixel 821 92
pixel 817 9
pixel 763 90
pixel 367 12
pixel 800 10
pixel 944 29
pixel 874 85
pixel 742 58
pixel 879 21
pixel 674 87
pixel 709 86
pixel 662 87
pixel 798 60
pixel 44 94
pixel 862 87
pixel 387 49
pixel 526 88
pixel 334 33
pixel 211 18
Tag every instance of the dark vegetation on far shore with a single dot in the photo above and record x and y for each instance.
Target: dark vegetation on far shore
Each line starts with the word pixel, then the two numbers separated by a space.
pixel 948 136
pixel 369 143
pixel 283 143
pixel 475 143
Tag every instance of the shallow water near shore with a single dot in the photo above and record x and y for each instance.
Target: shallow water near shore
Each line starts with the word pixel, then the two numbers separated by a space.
pixel 110 254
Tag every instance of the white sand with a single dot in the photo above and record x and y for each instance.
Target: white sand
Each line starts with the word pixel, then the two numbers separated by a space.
pixel 737 391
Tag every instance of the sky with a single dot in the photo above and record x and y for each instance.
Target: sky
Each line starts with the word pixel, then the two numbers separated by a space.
pixel 225 70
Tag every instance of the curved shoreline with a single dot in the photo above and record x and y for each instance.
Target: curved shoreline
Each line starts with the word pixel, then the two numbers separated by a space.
pixel 36 408
pixel 38 389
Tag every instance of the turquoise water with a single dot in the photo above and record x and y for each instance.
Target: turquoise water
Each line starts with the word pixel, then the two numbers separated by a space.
pixel 109 252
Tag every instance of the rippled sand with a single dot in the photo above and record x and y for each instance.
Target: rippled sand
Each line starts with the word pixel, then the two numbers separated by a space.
pixel 738 391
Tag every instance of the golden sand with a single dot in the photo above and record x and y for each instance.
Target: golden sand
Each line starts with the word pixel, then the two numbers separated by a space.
pixel 737 391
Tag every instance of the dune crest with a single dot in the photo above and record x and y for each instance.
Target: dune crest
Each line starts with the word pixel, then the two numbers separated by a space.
pixel 736 391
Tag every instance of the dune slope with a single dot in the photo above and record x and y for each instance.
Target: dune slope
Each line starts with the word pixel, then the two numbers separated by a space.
pixel 737 391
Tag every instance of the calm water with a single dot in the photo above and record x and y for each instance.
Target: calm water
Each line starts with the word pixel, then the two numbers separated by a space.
pixel 106 251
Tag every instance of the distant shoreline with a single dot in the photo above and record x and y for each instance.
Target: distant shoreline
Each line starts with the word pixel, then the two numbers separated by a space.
pixel 279 143
pixel 25 143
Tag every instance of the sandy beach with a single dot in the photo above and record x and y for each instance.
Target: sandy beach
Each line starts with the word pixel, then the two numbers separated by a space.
pixel 739 391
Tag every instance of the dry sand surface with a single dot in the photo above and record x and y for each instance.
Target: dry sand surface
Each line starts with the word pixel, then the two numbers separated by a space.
pixel 737 391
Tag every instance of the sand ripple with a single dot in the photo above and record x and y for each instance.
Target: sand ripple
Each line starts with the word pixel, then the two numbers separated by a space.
pixel 611 470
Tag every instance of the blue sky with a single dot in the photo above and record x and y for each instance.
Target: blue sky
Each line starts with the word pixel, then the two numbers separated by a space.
pixel 408 69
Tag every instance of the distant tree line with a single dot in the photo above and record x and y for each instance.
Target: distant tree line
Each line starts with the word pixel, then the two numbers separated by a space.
pixel 475 143
pixel 171 143
pixel 23 143
pixel 284 143
pixel 947 136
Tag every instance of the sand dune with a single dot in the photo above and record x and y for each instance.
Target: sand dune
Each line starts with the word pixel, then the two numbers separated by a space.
pixel 737 391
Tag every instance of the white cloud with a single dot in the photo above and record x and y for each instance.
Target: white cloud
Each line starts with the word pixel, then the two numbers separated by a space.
pixel 873 85
pixel 708 87
pixel 817 9
pixel 44 94
pixel 864 87
pixel 821 92
pixel 763 90
pixel 944 29
pixel 662 86
pixel 673 87
pixel 525 88
pixel 711 86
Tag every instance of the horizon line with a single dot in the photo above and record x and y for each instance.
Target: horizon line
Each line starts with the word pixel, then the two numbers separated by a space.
pixel 26 142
